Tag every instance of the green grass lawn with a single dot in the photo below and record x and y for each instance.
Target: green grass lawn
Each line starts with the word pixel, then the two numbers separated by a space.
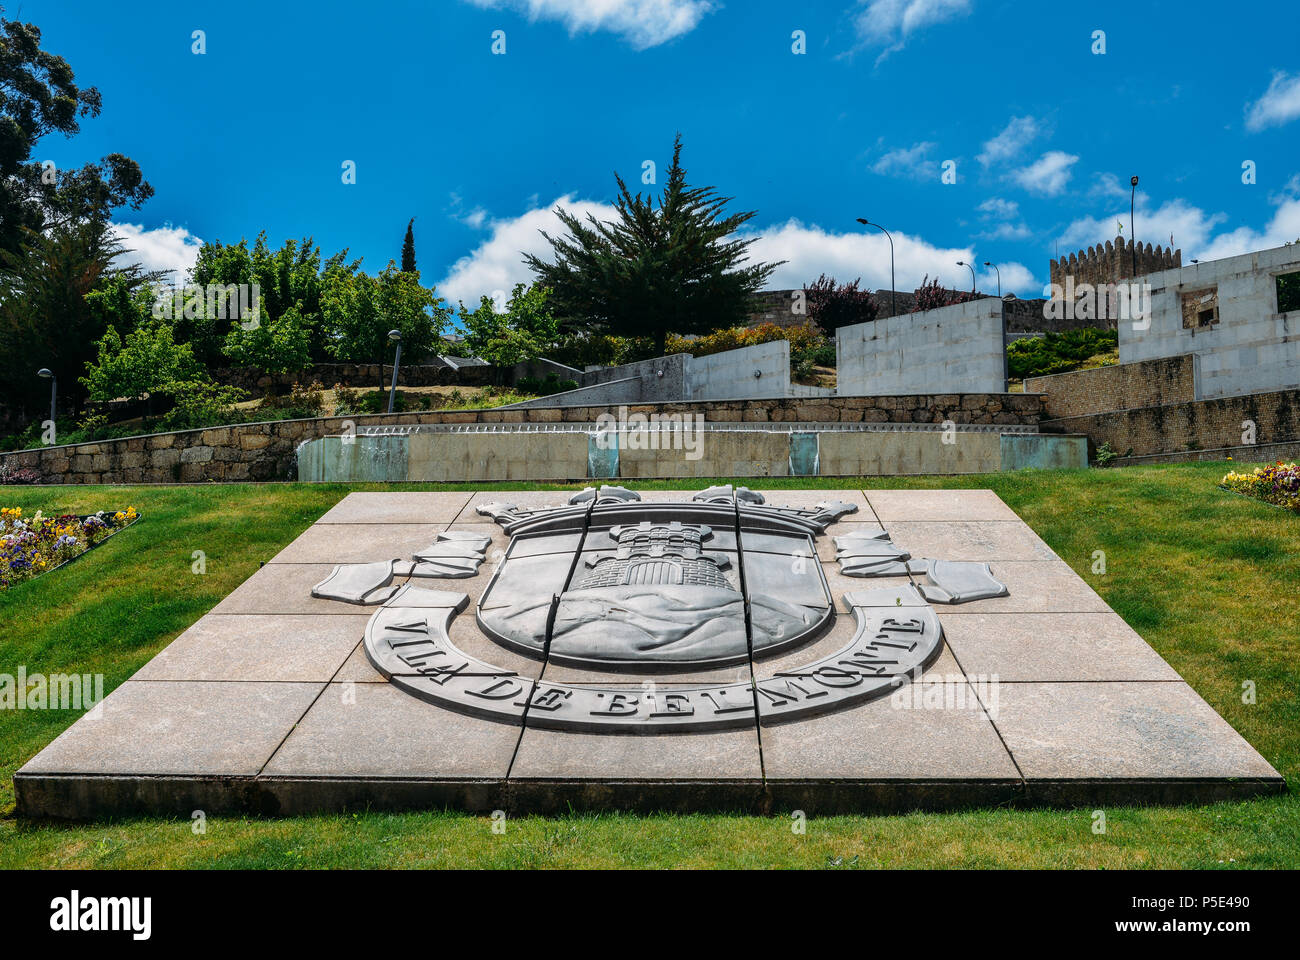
pixel 1210 579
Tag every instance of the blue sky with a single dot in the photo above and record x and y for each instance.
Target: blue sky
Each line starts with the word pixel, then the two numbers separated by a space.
pixel 478 147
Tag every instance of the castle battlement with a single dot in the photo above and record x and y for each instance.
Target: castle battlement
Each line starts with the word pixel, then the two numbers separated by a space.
pixel 1114 262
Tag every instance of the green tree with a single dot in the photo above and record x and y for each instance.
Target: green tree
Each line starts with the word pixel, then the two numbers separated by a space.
pixel 408 248
pixel 143 362
pixel 287 280
pixel 281 345
pixel 655 269
pixel 47 318
pixel 359 310
pixel 525 330
pixel 39 96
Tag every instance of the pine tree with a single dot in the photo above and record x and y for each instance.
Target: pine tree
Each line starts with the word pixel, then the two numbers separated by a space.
pixel 654 269
pixel 408 249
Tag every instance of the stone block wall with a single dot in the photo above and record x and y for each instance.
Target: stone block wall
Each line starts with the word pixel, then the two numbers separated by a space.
pixel 1122 386
pixel 268 451
pixel 1189 427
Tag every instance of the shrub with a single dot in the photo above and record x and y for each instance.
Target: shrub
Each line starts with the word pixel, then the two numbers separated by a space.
pixel 832 305
pixel 544 388
pixel 931 295
pixel 200 403
pixel 1057 352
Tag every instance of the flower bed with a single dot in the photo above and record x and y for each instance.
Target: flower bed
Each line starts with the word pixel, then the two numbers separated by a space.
pixel 30 546
pixel 1277 484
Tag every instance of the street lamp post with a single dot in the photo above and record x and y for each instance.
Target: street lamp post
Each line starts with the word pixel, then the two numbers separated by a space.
pixel 893 294
pixel 971 267
pixel 396 337
pixel 999 273
pixel 54 388
pixel 1132 233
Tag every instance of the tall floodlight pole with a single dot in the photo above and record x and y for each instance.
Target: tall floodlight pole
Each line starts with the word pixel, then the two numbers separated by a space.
pixel 999 273
pixel 54 388
pixel 1132 233
pixel 396 337
pixel 893 295
pixel 963 263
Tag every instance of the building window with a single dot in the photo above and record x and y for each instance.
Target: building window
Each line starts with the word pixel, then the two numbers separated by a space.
pixel 1288 292
pixel 1200 308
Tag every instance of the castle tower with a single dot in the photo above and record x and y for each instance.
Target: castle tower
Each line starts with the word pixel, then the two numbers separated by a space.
pixel 1112 263
pixel 657 553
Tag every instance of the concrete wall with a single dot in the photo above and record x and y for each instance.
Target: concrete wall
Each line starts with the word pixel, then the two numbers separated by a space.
pixel 268 451
pixel 1251 348
pixel 955 348
pixel 761 370
pixel 725 451
pixel 662 378
pixel 1121 386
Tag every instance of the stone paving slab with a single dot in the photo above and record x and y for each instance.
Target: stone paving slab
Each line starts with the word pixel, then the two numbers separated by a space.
pixel 807 499
pixel 377 730
pixel 921 734
pixel 524 499
pixel 563 755
pixel 258 647
pixel 1121 730
pixel 359 542
pixel 397 508
pixel 1036 586
pixel 978 540
pixel 237 714
pixel 179 727
pixel 285 588
pixel 1052 647
pixel 970 505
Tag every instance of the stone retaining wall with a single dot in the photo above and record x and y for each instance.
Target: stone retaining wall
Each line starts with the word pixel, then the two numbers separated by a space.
pixel 268 451
pixel 1122 386
pixel 1187 428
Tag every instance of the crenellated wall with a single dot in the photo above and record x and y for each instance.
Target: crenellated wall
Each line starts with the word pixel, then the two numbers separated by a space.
pixel 1113 262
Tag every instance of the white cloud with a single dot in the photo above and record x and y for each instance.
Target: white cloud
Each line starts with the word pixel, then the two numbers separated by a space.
pixel 1003 220
pixel 1007 146
pixel 642 23
pixel 1193 230
pixel 1048 174
pixel 812 251
pixel 1016 278
pixel 1107 185
pixel 907 162
pixel 497 264
pixel 1280 103
pixel 890 23
pixel 173 249
pixel 999 209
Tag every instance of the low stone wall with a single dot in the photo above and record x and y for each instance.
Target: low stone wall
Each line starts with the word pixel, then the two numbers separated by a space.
pixel 1122 386
pixel 1187 428
pixel 370 376
pixel 268 451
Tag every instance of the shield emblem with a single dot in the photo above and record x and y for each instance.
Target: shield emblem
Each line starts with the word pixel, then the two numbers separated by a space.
pixel 616 583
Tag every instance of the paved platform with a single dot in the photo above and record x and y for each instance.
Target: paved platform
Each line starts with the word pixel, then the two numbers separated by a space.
pixel 269 704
